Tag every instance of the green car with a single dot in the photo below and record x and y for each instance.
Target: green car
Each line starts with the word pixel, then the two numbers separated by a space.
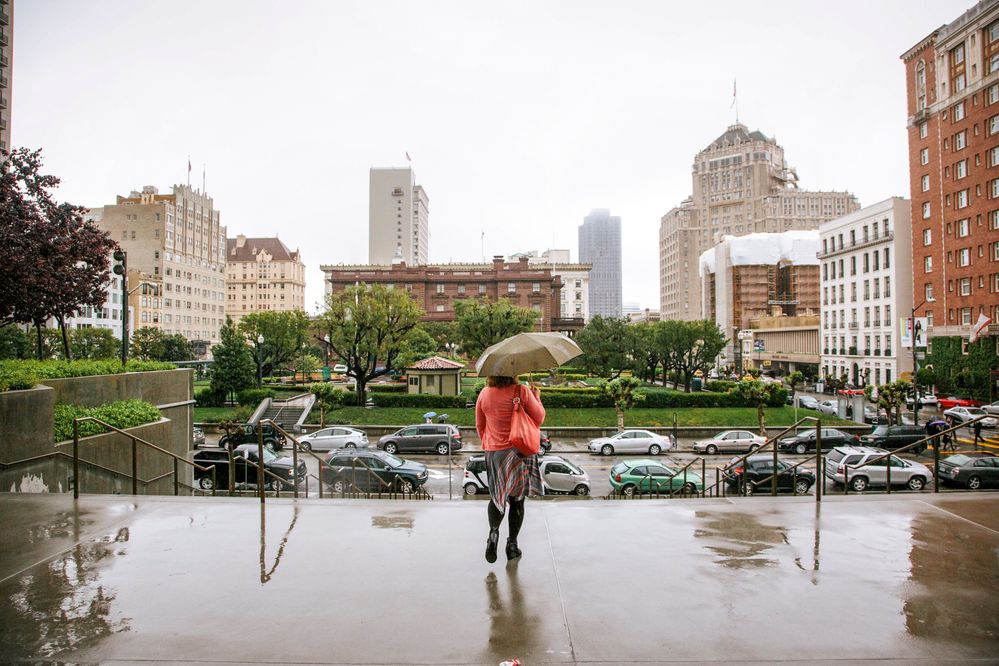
pixel 648 475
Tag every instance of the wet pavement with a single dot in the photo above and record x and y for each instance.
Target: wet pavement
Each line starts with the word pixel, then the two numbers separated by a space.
pixel 183 580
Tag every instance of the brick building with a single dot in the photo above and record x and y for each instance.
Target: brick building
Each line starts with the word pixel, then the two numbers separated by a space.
pixel 437 287
pixel 952 82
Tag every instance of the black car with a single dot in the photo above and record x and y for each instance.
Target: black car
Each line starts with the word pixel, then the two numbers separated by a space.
pixel 805 442
pixel 247 434
pixel 245 464
pixel 970 471
pixel 758 469
pixel 895 437
pixel 368 470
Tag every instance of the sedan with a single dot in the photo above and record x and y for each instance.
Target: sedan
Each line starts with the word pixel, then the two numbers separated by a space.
pixel 954 401
pixel 992 408
pixel 925 400
pixel 830 407
pixel 632 441
pixel 335 437
pixel 805 442
pixel 808 402
pixel 646 476
pixel 736 441
pixel 967 471
pixel 963 414
pixel 753 474
pixel 198 437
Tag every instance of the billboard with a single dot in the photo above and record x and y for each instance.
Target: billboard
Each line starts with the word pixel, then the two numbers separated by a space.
pixel 913 328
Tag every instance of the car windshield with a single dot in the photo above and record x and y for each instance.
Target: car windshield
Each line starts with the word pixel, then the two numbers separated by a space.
pixel 575 470
pixel 835 455
pixel 976 411
pixel 880 430
pixel 389 459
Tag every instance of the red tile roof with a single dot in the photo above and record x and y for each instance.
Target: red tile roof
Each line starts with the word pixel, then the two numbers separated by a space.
pixel 437 363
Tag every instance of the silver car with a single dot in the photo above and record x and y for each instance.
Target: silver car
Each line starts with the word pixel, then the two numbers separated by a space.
pixel 561 476
pixel 852 465
pixel 334 437
pixel 632 441
pixel 964 414
pixel 734 441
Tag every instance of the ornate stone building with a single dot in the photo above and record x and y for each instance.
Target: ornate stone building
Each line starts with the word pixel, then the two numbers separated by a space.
pixel 262 275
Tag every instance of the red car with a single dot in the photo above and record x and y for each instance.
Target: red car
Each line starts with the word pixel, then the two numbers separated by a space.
pixel 954 401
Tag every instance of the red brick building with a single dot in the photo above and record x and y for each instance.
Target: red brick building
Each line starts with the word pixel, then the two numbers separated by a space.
pixel 437 287
pixel 952 81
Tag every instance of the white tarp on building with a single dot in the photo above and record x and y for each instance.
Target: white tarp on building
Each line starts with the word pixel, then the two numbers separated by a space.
pixel 800 248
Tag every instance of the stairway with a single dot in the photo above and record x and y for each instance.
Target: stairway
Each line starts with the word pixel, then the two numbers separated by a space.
pixel 288 414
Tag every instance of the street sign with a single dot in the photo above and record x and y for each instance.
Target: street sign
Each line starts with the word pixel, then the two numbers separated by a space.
pixel 758 346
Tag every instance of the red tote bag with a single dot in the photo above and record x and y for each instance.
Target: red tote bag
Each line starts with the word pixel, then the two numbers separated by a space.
pixel 525 434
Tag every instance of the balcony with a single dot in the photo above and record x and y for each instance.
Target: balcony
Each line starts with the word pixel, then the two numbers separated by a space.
pixel 3 102
pixel 3 60
pixel 826 350
pixel 853 351
pixel 4 17
pixel 3 81
pixel 877 352
pixel 3 39
pixel 857 244
pixel 854 326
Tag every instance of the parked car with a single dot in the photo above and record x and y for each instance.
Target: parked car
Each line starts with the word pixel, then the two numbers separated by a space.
pixel 808 402
pixel 558 476
pixel 198 437
pixel 369 470
pixel 247 434
pixel 992 408
pixel 848 462
pixel 966 470
pixel 334 437
pixel 804 442
pixel 895 437
pixel 340 369
pixel 735 441
pixel 546 444
pixel 874 416
pixel 830 407
pixel 648 475
pixel 632 441
pixel 925 400
pixel 954 401
pixel 436 437
pixel 759 468
pixel 245 464
pixel 963 414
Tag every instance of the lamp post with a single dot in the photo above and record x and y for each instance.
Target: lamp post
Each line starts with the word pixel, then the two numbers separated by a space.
pixel 915 381
pixel 326 349
pixel 260 342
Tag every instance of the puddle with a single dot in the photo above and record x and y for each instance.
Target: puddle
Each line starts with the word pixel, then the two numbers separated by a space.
pixel 393 522
pixel 739 540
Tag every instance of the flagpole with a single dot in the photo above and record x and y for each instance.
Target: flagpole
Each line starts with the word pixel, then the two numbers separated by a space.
pixel 188 171
pixel 204 179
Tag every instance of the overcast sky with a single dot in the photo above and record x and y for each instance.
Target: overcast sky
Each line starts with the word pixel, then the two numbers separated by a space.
pixel 519 117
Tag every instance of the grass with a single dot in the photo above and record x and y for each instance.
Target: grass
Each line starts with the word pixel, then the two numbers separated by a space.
pixel 208 414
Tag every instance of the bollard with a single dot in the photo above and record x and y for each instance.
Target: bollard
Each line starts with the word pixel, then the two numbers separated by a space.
pixel 773 479
pixel 260 463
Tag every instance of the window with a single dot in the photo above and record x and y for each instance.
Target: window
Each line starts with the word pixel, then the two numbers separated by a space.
pixel 993 94
pixel 867 289
pixel 961 169
pixel 961 139
pixel 925 182
pixel 928 291
pixel 867 263
pixel 966 316
pixel 482 288
pixel 536 288
pixel 876 262
pixel 887 314
pixel 964 257
pixel 926 210
pixel 440 289
pixel 924 156
pixel 924 130
pixel 957 113
pixel 994 125
pixel 994 219
pixel 964 286
pixel 511 287
pixel 853 265
pixel 963 227
pixel 927 264
pixel 962 199
pixel 887 287
pixel 994 188
pixel 927 237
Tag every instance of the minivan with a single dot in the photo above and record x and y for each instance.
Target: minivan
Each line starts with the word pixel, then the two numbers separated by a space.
pixel 436 437
pixel 895 437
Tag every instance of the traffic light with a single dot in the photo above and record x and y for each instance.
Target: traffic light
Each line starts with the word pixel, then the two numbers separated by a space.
pixel 121 268
pixel 119 262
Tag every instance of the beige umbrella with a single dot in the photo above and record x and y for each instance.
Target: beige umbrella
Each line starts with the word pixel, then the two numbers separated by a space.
pixel 526 352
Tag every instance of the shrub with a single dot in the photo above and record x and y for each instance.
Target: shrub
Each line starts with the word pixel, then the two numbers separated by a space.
pixel 719 385
pixel 251 397
pixel 58 369
pixel 387 388
pixel 122 414
pixel 209 398
pixel 417 400
pixel 16 379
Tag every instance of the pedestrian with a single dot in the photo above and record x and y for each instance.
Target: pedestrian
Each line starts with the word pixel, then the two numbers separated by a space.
pixel 976 427
pixel 510 475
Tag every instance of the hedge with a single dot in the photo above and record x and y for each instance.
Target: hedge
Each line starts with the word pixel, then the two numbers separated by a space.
pixel 719 385
pixel 16 379
pixel 208 398
pixel 58 369
pixel 417 400
pixel 122 414
pixel 251 397
pixel 387 388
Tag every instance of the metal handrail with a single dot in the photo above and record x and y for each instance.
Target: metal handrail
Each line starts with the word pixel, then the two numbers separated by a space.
pixel 51 454
pixel 749 482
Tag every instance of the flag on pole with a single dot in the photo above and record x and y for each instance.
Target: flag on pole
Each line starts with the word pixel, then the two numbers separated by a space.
pixel 188 164
pixel 980 325
pixel 733 95
pixel 408 159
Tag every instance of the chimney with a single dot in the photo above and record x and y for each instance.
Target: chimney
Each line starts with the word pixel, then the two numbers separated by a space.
pixel 498 262
pixel 523 262
pixel 240 241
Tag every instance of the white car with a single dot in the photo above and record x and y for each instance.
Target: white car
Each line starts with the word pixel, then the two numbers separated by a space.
pixel 632 441
pixel 335 437
pixel 962 414
pixel 992 408
pixel 558 476
pixel 734 441
pixel 830 407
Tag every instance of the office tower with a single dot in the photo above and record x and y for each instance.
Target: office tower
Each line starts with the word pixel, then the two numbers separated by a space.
pixel 262 275
pixel 398 218
pixel 600 246
pixel 6 69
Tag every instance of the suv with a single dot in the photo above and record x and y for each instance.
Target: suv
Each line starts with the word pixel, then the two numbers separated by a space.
pixel 804 442
pixel 439 437
pixel 247 434
pixel 895 437
pixel 846 464
pixel 759 468
pixel 245 463
pixel 372 471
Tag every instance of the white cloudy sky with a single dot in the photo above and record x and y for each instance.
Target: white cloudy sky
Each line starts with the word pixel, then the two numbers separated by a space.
pixel 519 116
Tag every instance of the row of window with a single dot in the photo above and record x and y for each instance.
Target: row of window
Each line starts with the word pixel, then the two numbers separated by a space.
pixel 829 293
pixel 854 349
pixel 834 319
pixel 869 233
pixel 872 261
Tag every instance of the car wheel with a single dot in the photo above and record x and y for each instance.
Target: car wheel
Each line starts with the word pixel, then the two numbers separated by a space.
pixel 800 449
pixel 916 483
pixel 406 485
pixel 654 450
pixel 607 449
pixel 339 486
pixel 750 488
pixel 224 442
pixel 801 487
pixel 350 445
pixel 391 447
pixel 711 449
pixel 628 490
pixel 753 447
pixel 205 483
pixel 307 446
pixel 443 448
pixel 689 488
pixel 974 482
pixel 471 489
pixel 858 484
pixel 581 490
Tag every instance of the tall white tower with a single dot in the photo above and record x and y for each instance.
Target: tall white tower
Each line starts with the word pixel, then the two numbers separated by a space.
pixel 398 217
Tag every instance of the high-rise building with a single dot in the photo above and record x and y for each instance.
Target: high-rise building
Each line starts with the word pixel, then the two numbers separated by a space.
pixel 866 288
pixel 398 218
pixel 600 246
pixel 262 275
pixel 741 185
pixel 6 69
pixel 176 238
pixel 575 280
pixel 952 82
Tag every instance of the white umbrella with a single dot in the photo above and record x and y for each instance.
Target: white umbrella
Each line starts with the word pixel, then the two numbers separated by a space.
pixel 526 352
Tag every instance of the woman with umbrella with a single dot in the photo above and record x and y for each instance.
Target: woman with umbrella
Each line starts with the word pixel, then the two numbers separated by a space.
pixel 935 427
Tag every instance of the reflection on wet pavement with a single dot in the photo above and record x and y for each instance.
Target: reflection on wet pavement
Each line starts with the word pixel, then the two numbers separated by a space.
pixel 265 573
pixel 513 627
pixel 740 540
pixel 393 522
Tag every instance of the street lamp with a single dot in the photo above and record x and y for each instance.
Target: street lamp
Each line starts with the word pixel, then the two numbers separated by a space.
pixel 915 381
pixel 260 342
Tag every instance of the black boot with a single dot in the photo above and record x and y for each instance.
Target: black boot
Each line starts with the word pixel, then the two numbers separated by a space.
pixel 491 544
pixel 512 551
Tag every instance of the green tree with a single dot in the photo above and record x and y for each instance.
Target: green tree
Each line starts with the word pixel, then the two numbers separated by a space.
pixel 643 350
pixel 480 323
pixel 444 333
pixel 232 366
pixel 284 334
pixel 418 346
pixel 94 343
pixel 760 394
pixel 792 380
pixel 176 347
pixel 146 343
pixel 14 343
pixel 604 341
pixel 306 364
pixel 890 399
pixel 699 342
pixel 622 391
pixel 328 398
pixel 367 326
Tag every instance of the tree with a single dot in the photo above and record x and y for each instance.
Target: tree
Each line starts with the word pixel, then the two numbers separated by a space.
pixel 146 343
pixel 328 398
pixel 94 343
pixel 444 333
pixel 962 367
pixel 481 323
pixel 368 326
pixel 176 348
pixel 622 392
pixel 760 394
pixel 305 365
pixel 890 399
pixel 699 342
pixel 418 346
pixel 232 366
pixel 604 341
pixel 284 334
pixel 14 343
pixel 643 350
pixel 792 380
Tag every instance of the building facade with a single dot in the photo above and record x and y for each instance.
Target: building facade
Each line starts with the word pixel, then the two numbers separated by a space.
pixel 866 290
pixel 600 246
pixel 6 70
pixel 398 218
pixel 262 275
pixel 176 238
pixel 575 280
pixel 782 345
pixel 952 83
pixel 741 185
pixel 436 287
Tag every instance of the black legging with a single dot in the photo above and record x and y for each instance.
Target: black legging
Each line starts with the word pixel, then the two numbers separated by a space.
pixel 516 517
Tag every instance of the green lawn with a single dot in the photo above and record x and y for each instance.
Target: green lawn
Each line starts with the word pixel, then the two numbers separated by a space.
pixel 207 414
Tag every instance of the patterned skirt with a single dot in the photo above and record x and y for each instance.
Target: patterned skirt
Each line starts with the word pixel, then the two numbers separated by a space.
pixel 512 475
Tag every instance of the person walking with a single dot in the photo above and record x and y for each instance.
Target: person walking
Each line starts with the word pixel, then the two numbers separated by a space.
pixel 976 428
pixel 511 476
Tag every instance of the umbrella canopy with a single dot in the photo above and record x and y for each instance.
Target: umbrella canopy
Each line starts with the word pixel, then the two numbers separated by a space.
pixel 430 415
pixel 526 352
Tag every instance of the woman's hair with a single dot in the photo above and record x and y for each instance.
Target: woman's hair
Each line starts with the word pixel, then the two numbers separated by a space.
pixel 499 381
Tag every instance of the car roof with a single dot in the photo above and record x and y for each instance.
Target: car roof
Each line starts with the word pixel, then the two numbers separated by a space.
pixel 860 449
pixel 643 461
